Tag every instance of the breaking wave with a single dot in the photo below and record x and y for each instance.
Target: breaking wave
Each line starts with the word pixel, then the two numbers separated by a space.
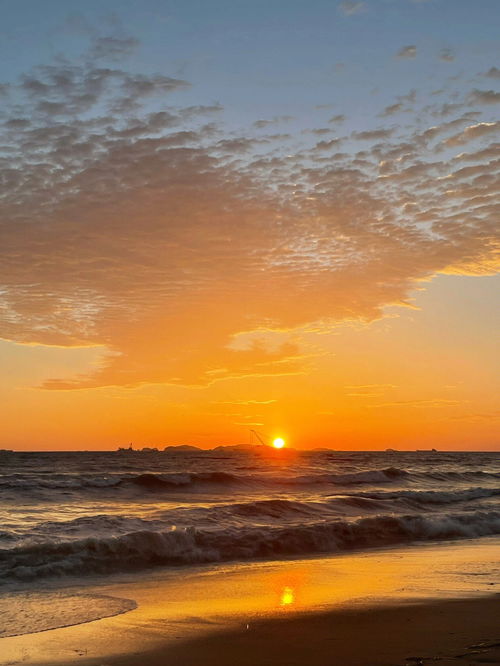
pixel 148 548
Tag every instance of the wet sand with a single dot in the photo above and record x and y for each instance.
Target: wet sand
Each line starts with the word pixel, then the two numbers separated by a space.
pixel 378 608
pixel 447 633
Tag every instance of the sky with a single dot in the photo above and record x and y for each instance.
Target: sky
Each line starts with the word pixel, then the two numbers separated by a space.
pixel 231 215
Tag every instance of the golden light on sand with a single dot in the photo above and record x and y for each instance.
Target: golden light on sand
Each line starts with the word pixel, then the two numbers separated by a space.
pixel 278 443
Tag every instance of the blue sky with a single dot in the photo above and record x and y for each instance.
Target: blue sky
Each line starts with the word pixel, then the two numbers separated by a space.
pixel 269 58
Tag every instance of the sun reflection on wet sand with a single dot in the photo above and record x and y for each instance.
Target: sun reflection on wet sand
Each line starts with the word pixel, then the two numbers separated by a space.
pixel 287 596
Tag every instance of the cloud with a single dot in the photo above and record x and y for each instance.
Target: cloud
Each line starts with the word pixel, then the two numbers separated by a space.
pixel 484 97
pixel 434 402
pixel 112 48
pixel 135 88
pixel 407 52
pixel 245 402
pixel 481 416
pixel 481 156
pixel 472 132
pixel 368 390
pixel 326 145
pixel 423 137
pixel 410 97
pixel 446 55
pixel 447 109
pixel 260 124
pixel 391 109
pixel 400 105
pixel 350 7
pixel 69 90
pixel 143 226
pixel 492 73
pixel 370 387
pixel 370 135
pixel 339 118
pixel 320 131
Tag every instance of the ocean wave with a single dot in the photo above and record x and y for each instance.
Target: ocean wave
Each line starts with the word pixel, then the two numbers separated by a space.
pixel 277 511
pixel 204 480
pixel 252 513
pixel 220 481
pixel 210 480
pixel 160 481
pixel 430 496
pixel 44 481
pixel 148 548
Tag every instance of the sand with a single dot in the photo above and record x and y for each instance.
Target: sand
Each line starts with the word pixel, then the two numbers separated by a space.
pixel 453 632
pixel 432 603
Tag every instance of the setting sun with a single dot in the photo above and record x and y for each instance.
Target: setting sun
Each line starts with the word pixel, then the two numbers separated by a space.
pixel 278 443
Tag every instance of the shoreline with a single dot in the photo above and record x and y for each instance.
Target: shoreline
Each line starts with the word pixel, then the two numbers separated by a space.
pixel 184 612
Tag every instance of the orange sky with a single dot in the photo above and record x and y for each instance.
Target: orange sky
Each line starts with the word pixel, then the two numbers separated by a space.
pixel 306 245
pixel 415 378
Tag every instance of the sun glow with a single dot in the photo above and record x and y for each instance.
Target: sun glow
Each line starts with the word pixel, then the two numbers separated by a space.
pixel 278 443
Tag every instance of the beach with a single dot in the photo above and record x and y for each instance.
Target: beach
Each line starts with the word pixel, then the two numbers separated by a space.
pixel 396 606
pixel 247 557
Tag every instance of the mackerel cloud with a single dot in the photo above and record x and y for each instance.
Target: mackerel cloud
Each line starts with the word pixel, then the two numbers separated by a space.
pixel 134 223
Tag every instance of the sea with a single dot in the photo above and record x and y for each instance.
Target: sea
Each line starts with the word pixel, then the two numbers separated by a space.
pixel 66 514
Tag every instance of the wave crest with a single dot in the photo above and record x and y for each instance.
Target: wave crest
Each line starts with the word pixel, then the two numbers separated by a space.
pixel 147 548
